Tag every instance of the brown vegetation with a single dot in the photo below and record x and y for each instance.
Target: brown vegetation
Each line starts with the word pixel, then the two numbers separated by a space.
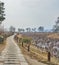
pixel 37 54
pixel 2 46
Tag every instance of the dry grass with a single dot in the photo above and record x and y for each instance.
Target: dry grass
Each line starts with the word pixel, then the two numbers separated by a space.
pixel 35 53
pixel 2 46
pixel 38 55
pixel 53 36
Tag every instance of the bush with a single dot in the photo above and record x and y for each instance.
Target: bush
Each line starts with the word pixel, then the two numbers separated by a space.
pixel 1 39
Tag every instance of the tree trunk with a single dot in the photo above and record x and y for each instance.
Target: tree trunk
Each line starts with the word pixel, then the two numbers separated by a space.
pixel 22 44
pixel 28 48
pixel 49 56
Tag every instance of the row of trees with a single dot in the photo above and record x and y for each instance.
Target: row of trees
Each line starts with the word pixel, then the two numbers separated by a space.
pixel 40 29
pixel 2 17
pixel 12 29
pixel 23 41
pixel 26 43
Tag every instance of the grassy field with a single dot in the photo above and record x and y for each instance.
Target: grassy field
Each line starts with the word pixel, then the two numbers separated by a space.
pixel 37 54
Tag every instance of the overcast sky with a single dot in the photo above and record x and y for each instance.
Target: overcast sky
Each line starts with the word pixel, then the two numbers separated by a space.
pixel 31 13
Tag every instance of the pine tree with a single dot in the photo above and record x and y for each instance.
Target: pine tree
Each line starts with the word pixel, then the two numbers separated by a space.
pixel 56 26
pixel 2 15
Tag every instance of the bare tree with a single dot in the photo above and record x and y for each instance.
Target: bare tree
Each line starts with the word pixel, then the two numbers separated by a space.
pixel 20 30
pixel 41 29
pixel 28 29
pixel 34 29
pixel 12 29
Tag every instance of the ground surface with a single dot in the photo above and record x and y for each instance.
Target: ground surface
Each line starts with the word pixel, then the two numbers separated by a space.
pixel 33 61
pixel 35 53
pixel 12 54
pixel 2 46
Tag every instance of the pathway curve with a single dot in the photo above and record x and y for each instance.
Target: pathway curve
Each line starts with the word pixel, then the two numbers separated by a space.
pixel 12 54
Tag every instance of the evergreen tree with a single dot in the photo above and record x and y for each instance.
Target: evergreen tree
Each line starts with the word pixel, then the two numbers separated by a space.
pixel 41 29
pixel 56 26
pixel 2 15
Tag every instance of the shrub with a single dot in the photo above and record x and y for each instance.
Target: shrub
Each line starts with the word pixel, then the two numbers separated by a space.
pixel 1 39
